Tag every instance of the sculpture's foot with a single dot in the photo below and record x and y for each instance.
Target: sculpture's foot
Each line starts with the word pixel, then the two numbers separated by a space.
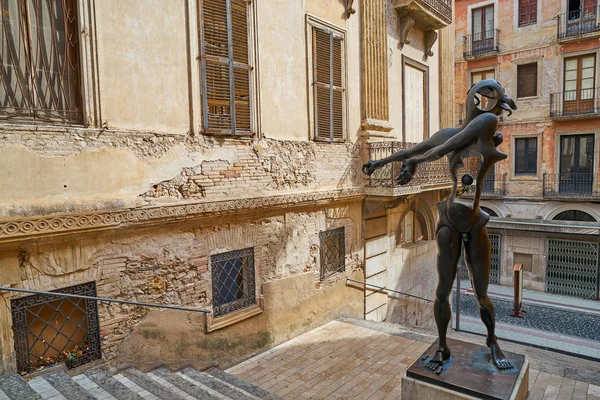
pixel 498 357
pixel 406 173
pixel 436 364
pixel 371 166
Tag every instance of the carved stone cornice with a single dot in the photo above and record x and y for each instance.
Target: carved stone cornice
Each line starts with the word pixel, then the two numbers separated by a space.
pixel 18 229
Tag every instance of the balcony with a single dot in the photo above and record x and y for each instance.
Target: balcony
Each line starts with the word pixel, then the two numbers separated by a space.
pixel 494 185
pixel 575 104
pixel 480 45
pixel 579 24
pixel 429 176
pixel 429 14
pixel 571 186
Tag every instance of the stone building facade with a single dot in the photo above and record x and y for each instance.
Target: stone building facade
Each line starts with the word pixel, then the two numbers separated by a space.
pixel 546 196
pixel 215 167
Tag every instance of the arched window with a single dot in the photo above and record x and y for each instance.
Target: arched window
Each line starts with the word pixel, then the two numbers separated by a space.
pixel 491 212
pixel 574 215
pixel 412 229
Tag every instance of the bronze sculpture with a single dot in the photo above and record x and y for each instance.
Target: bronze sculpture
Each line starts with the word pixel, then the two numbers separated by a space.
pixel 460 223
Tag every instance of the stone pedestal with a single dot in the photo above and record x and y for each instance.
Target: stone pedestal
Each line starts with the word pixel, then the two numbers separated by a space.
pixel 467 375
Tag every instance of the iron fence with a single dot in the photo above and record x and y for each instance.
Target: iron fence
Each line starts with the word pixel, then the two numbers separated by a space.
pixel 578 22
pixel 443 8
pixel 494 185
pixel 575 103
pixel 50 330
pixel 427 173
pixel 567 185
pixel 39 61
pixel 482 43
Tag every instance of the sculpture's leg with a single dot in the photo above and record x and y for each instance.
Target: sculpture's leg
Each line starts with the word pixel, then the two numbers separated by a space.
pixel 449 246
pixel 478 257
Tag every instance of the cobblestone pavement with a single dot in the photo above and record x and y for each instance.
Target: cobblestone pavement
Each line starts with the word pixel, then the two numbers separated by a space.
pixel 354 359
pixel 549 319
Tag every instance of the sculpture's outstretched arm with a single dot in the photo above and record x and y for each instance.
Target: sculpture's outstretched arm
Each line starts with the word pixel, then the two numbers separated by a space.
pixel 437 139
pixel 480 125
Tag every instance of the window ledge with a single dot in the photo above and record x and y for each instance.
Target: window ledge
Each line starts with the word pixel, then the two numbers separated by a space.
pixel 525 178
pixel 529 97
pixel 213 324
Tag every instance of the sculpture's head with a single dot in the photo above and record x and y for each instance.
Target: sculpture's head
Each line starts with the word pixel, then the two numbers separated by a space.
pixel 488 96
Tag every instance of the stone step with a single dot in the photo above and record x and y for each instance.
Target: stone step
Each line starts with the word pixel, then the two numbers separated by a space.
pixel 190 386
pixel 14 387
pixel 100 383
pixel 241 384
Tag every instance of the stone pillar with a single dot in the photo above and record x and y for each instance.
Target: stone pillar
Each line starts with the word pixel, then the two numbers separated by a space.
pixel 9 275
pixel 375 104
pixel 446 62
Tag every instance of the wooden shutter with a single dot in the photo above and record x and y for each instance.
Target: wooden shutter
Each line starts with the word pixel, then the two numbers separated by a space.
pixel 527 12
pixel 328 85
pixel 527 80
pixel 225 66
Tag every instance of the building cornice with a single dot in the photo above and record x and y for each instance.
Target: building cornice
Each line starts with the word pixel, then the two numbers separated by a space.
pixel 20 229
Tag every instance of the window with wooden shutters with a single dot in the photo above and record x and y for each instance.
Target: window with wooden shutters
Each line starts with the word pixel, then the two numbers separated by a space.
pixel 527 80
pixel 527 12
pixel 225 67
pixel 328 84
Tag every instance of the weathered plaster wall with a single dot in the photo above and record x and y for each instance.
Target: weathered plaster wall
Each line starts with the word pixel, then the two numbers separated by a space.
pixel 171 265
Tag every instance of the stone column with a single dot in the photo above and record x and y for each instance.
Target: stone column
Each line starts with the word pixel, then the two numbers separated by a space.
pixel 446 62
pixel 375 104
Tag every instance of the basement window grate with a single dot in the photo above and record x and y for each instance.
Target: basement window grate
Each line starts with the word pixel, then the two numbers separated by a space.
pixel 50 330
pixel 333 251
pixel 233 282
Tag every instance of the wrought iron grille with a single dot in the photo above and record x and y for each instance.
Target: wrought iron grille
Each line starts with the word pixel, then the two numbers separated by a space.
pixel 573 268
pixel 494 185
pixel 39 49
pixel 233 281
pixel 427 173
pixel 571 185
pixel 50 330
pixel 333 252
pixel 583 103
pixel 481 44
pixel 495 245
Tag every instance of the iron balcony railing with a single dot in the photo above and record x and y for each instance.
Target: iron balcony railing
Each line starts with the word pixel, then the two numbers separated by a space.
pixel 567 185
pixel 482 43
pixel 579 22
pixel 443 8
pixel 583 102
pixel 494 185
pixel 434 173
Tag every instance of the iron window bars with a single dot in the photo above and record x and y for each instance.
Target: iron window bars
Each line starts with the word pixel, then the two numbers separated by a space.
pixel 233 281
pixel 39 61
pixel 49 330
pixel 333 251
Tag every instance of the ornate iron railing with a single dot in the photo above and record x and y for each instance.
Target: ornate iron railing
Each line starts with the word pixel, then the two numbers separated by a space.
pixel 566 185
pixel 39 61
pixel 441 7
pixel 576 103
pixel 50 330
pixel 480 44
pixel 494 185
pixel 233 281
pixel 333 251
pixel 427 173
pixel 579 22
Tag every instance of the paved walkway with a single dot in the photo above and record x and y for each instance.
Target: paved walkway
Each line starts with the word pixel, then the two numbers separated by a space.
pixel 566 324
pixel 350 360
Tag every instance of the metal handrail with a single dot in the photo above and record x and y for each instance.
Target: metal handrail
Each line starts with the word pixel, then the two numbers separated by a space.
pixel 382 288
pixel 104 300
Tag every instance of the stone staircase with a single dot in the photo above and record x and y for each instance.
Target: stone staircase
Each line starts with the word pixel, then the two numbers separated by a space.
pixel 130 384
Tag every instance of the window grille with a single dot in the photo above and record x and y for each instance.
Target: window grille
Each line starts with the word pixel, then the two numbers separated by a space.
pixel 39 61
pixel 225 66
pixel 573 268
pixel 333 252
pixel 328 84
pixel 233 281
pixel 49 330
